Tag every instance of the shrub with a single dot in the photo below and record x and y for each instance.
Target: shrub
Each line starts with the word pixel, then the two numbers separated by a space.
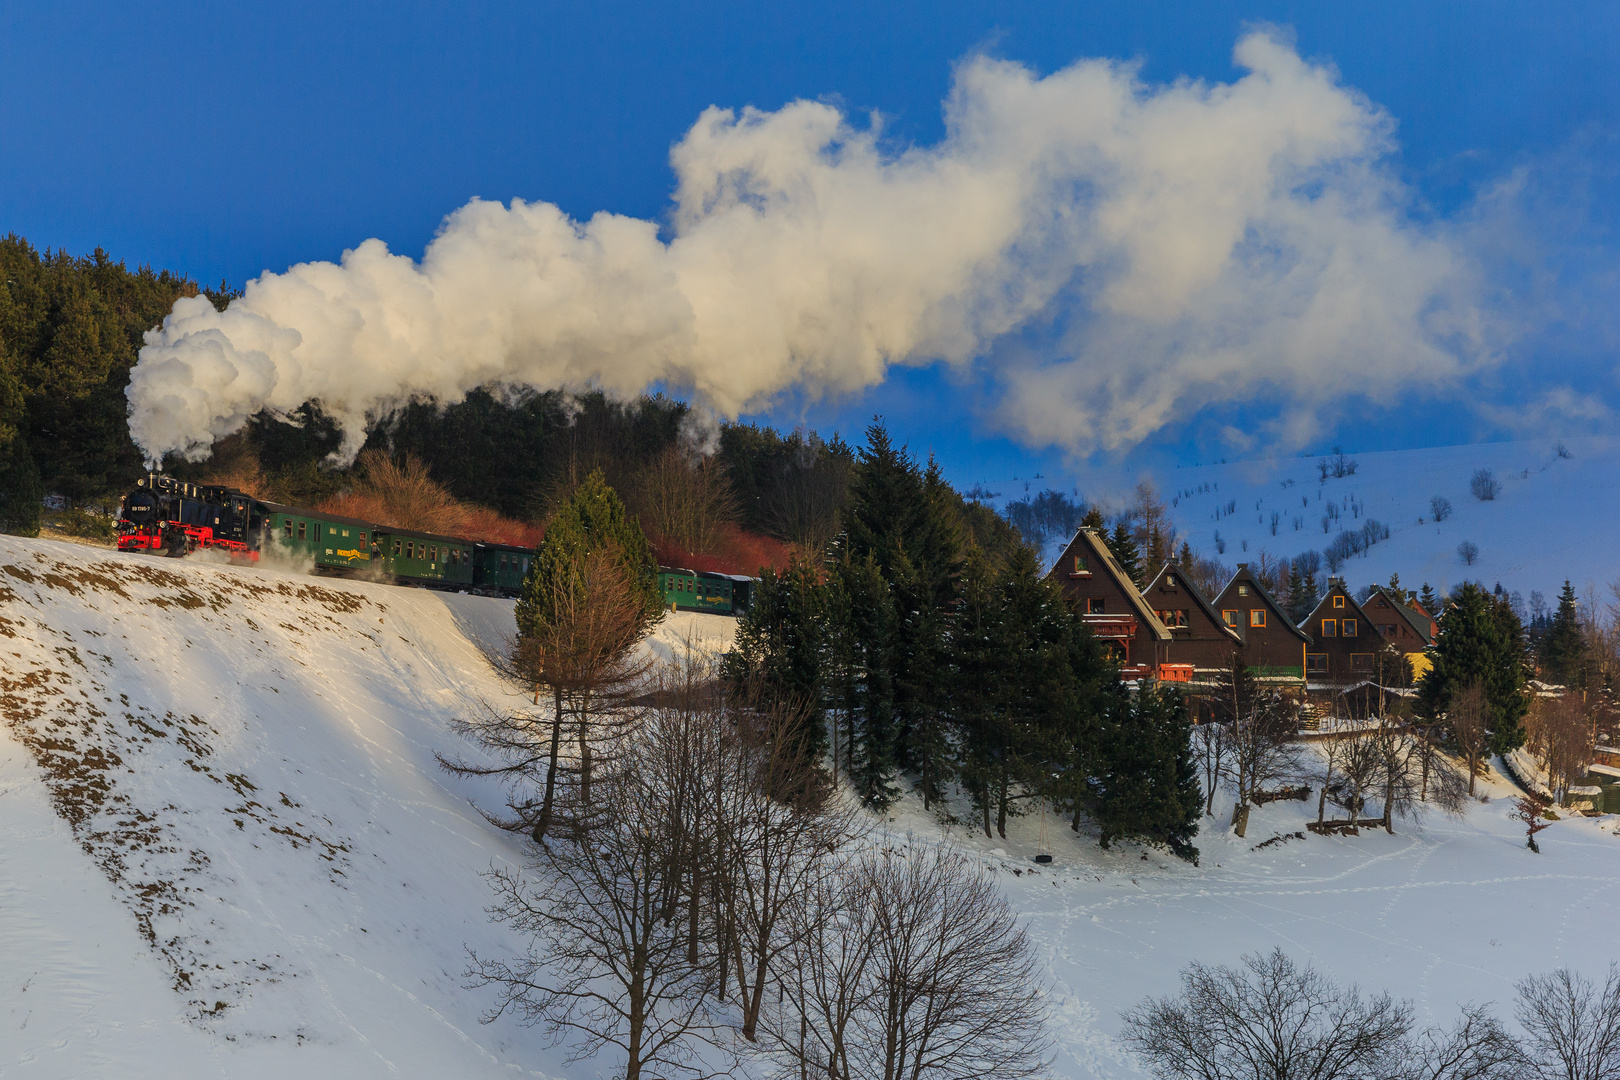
pixel 1485 485
pixel 1440 507
pixel 1468 551
pixel 86 523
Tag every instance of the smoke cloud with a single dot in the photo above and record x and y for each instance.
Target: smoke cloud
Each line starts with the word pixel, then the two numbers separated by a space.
pixel 1110 256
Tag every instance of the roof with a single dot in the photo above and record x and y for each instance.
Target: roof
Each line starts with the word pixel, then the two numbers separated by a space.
pixel 1242 574
pixel 1415 618
pixel 1133 596
pixel 1198 598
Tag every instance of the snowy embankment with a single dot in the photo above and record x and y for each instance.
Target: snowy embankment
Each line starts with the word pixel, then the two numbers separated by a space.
pixel 1551 520
pixel 226 845
pixel 219 785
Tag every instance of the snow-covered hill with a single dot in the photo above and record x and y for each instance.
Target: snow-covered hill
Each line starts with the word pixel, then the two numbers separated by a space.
pixel 1553 519
pixel 227 849
pixel 226 845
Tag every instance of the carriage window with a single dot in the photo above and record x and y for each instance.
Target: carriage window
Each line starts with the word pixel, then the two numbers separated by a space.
pixel 525 564
pixel 287 527
pixel 362 537
pixel 410 549
pixel 301 527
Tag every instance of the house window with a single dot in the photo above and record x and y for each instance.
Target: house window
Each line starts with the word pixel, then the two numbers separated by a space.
pixel 1349 628
pixel 1361 661
pixel 1170 581
pixel 1338 601
pixel 1243 590
pixel 1080 565
pixel 1231 617
pixel 1175 619
pixel 1094 605
pixel 1386 630
pixel 1330 627
pixel 1316 663
pixel 1257 616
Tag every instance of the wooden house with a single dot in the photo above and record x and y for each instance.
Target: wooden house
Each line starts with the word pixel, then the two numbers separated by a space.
pixel 1348 648
pixel 1273 647
pixel 1111 605
pixel 1407 627
pixel 1199 637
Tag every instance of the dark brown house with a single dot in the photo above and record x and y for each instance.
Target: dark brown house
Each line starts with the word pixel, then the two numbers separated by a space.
pixel 1111 605
pixel 1199 637
pixel 1273 647
pixel 1407 627
pixel 1345 645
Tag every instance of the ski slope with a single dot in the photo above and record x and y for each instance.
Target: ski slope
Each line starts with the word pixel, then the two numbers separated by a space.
pixel 1554 518
pixel 227 848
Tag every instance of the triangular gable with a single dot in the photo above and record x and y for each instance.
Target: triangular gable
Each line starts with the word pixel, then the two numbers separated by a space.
pixel 1242 576
pixel 1420 623
pixel 1091 545
pixel 1351 608
pixel 1186 583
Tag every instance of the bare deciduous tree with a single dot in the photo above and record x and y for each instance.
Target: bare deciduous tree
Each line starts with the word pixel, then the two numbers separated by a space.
pixel 1560 733
pixel 605 964
pixel 1262 728
pixel 910 965
pixel 580 654
pixel 1572 1026
pixel 682 498
pixel 1468 719
pixel 1209 742
pixel 1274 1020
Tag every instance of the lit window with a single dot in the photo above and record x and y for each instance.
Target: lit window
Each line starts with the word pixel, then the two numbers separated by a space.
pixel 1338 601
pixel 1231 617
pixel 1170 581
pixel 1257 617
pixel 1330 627
pixel 1349 628
pixel 1243 590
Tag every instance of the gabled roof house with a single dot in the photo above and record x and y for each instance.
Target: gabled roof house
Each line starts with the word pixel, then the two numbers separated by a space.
pixel 1111 605
pixel 1198 635
pixel 1273 647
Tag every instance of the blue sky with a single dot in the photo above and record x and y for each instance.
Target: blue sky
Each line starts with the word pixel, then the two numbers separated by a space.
pixel 224 143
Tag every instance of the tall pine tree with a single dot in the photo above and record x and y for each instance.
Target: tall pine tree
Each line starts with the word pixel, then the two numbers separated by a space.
pixel 1123 548
pixel 1480 640
pixel 1562 647
pixel 1146 780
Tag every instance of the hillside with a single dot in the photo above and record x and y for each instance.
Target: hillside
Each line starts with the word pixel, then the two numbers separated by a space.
pixel 1551 520
pixel 226 847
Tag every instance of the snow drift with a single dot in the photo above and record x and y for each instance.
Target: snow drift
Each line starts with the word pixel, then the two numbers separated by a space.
pixel 1118 254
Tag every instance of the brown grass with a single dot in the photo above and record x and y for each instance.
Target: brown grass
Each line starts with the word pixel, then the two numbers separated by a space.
pixel 404 495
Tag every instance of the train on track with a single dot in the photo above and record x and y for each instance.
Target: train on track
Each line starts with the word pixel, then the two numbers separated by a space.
pixel 166 516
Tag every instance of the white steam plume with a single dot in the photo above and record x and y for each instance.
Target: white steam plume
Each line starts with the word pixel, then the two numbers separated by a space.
pixel 1118 255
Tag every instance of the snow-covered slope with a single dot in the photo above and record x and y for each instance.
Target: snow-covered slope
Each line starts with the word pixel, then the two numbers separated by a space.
pixel 226 845
pixel 1553 519
pixel 219 785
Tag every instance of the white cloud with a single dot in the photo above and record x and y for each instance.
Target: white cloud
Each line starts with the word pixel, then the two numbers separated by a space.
pixel 1117 255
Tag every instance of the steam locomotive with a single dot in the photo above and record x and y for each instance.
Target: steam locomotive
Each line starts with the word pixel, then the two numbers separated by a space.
pixel 171 517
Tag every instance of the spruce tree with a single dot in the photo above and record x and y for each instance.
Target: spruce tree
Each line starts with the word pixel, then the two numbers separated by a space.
pixel 1297 611
pixel 593 519
pixel 1562 647
pixel 1480 640
pixel 1095 521
pixel 1147 782
pixel 869 640
pixel 1123 548
pixel 980 658
pixel 1184 558
pixel 22 496
pixel 777 655
pixel 1430 602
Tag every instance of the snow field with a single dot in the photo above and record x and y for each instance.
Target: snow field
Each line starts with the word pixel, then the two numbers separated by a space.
pixel 1552 520
pixel 333 924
